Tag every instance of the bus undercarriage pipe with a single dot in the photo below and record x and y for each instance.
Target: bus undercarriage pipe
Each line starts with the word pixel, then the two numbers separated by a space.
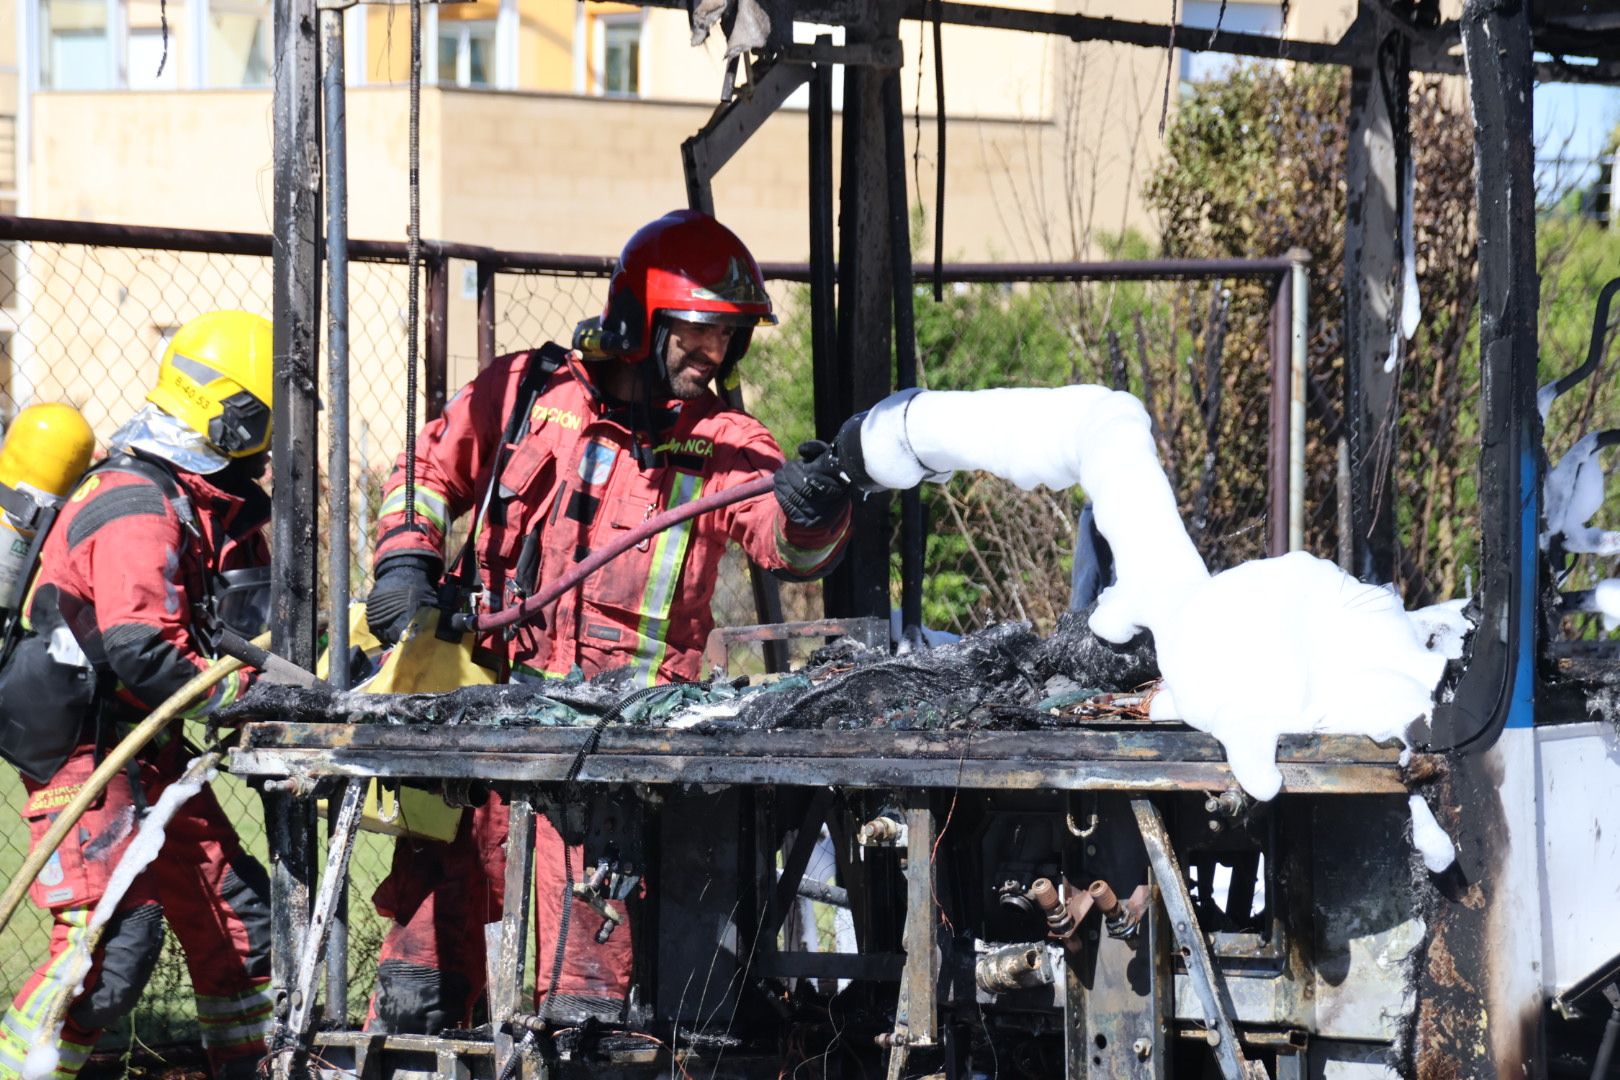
pixel 1012 967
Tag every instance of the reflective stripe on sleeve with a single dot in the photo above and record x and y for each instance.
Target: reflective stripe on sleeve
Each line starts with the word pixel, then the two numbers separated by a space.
pixel 803 560
pixel 429 504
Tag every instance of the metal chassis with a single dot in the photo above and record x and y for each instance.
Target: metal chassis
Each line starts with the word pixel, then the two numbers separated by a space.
pixel 1135 763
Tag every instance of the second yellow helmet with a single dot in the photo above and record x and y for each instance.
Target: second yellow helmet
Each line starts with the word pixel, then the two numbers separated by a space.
pixel 217 378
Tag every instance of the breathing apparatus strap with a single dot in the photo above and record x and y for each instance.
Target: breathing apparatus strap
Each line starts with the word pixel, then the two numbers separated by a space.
pixel 541 365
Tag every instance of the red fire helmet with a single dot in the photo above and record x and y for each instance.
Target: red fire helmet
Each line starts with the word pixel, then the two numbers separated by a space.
pixel 685 265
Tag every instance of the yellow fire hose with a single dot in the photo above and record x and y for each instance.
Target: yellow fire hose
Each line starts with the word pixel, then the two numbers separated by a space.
pixel 110 767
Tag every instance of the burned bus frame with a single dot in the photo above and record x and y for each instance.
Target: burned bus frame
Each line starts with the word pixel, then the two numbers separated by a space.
pixel 1116 1025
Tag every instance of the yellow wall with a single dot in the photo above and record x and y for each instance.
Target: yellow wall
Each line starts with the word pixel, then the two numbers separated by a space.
pixel 545 45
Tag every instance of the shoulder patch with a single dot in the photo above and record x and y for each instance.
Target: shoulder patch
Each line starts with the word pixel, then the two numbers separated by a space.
pixel 85 489
pixel 130 500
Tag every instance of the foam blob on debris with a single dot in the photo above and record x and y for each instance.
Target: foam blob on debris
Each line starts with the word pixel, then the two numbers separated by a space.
pixel 1429 838
pixel 68 978
pixel 1268 648
pixel 1573 492
pixel 1293 645
pixel 1443 628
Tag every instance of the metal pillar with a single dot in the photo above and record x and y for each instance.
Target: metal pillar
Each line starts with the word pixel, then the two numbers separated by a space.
pixel 861 378
pixel 296 309
pixel 913 540
pixel 1279 444
pixel 1497 688
pixel 334 115
pixel 1371 249
pixel 436 371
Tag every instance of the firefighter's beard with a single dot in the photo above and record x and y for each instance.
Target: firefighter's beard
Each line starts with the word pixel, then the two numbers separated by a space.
pixel 690 374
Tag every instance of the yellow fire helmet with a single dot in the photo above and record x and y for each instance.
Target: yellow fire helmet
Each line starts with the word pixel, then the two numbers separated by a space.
pixel 216 378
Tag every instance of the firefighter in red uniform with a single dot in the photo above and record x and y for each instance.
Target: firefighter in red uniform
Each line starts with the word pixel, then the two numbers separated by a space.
pixel 154 548
pixel 600 441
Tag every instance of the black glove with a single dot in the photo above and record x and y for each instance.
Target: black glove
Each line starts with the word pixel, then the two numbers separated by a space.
pixel 404 582
pixel 812 491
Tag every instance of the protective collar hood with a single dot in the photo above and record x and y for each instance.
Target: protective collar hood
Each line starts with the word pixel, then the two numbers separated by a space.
pixel 157 434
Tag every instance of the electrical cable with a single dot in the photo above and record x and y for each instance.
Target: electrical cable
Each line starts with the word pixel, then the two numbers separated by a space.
pixel 413 262
pixel 939 151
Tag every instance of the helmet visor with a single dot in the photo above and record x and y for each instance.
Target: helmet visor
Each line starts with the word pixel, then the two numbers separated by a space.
pixel 722 318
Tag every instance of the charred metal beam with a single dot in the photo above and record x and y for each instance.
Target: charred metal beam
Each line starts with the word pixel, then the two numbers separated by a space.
pixel 922 926
pixel 1497 686
pixel 732 124
pixel 1206 980
pixel 1140 761
pixel 296 311
pixel 332 892
pixel 1371 253
pixel 913 539
pixel 860 584
pixel 792 876
pixel 507 986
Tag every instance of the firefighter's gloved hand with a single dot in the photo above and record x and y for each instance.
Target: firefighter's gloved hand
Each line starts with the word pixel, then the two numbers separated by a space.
pixel 404 582
pixel 812 490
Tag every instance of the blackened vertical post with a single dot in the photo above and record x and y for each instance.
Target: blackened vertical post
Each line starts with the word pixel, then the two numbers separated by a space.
pixel 1370 249
pixel 435 386
pixel 913 542
pixel 1277 441
pixel 860 585
pixel 823 269
pixel 338 486
pixel 486 315
pixel 296 309
pixel 1371 254
pixel 1496 693
pixel 508 989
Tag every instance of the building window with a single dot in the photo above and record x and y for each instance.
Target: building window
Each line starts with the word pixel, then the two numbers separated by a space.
pixel 238 43
pixel 152 61
pixel 621 55
pixel 76 52
pixel 467 52
pixel 1240 18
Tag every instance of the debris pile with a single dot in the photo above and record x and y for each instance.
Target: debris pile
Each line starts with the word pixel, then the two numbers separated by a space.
pixel 1004 676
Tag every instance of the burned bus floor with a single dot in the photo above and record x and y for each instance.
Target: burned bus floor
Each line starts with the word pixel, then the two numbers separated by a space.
pixel 983 858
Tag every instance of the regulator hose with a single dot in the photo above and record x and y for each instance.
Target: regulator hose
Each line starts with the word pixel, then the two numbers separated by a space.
pixel 111 766
pixel 528 609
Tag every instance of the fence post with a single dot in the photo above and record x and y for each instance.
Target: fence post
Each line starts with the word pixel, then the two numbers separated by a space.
pixel 1299 358
pixel 437 334
pixel 486 314
pixel 1278 442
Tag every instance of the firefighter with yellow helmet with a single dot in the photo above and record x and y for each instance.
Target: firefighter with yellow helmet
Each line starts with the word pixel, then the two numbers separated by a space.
pixel 158 546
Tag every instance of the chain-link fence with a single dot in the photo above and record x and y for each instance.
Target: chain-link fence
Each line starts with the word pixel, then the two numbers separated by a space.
pixel 89 310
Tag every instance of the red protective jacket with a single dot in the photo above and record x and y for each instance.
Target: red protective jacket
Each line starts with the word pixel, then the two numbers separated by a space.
pixel 571 482
pixel 124 572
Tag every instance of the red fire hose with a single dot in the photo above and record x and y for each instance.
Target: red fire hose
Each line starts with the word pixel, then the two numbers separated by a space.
pixel 494 620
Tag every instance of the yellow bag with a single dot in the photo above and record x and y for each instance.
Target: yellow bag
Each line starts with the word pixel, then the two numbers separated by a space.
pixel 419 664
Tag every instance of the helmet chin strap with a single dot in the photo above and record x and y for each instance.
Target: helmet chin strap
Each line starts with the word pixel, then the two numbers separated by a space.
pixel 654 386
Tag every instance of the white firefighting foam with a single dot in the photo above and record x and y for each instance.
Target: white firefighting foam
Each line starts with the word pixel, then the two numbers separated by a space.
pixel 43 1054
pixel 1268 648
